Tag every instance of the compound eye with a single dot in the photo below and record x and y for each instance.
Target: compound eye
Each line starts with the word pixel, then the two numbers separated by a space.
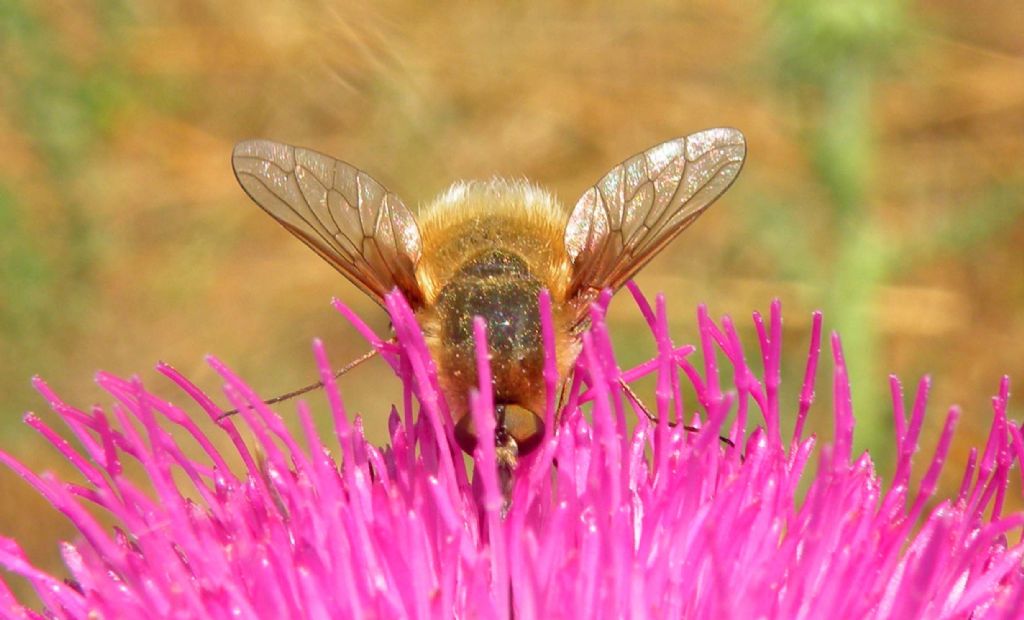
pixel 465 434
pixel 522 425
pixel 525 427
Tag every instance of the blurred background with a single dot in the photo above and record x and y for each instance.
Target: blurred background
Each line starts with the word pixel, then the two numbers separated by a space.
pixel 884 183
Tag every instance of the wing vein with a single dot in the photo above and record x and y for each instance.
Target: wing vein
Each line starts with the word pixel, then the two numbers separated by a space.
pixel 681 189
pixel 376 259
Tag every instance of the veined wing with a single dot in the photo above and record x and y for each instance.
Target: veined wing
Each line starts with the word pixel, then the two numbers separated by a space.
pixel 623 221
pixel 349 219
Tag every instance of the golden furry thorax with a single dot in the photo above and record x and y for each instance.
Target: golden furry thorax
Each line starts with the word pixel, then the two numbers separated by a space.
pixel 472 216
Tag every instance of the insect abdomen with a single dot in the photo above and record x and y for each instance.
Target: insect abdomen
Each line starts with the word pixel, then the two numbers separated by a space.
pixel 498 286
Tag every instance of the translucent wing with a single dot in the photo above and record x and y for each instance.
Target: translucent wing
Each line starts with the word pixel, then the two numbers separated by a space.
pixel 643 203
pixel 356 225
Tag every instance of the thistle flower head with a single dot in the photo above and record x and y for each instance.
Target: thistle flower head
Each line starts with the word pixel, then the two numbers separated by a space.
pixel 613 516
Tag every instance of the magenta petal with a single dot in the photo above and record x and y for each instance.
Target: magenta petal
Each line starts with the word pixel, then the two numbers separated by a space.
pixel 614 515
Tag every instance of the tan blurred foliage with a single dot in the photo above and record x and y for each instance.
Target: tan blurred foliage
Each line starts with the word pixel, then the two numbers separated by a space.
pixel 135 243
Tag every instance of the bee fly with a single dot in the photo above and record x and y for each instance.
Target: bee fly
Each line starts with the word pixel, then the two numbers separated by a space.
pixel 487 249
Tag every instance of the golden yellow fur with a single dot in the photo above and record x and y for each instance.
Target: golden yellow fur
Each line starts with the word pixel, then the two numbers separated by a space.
pixel 473 217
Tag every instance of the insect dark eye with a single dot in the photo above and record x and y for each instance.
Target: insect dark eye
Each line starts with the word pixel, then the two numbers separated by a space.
pixel 526 427
pixel 519 423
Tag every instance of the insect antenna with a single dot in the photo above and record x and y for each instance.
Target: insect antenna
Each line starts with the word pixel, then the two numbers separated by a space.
pixel 312 386
pixel 653 418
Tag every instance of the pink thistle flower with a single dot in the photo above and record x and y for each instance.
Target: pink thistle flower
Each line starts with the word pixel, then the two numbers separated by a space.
pixel 607 519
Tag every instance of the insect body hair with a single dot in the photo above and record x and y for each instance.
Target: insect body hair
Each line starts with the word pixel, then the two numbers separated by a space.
pixel 470 218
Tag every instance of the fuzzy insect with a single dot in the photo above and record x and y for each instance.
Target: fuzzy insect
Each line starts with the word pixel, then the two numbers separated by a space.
pixel 488 248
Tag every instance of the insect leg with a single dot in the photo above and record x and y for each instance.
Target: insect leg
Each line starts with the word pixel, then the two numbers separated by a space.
pixel 631 395
pixel 312 386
